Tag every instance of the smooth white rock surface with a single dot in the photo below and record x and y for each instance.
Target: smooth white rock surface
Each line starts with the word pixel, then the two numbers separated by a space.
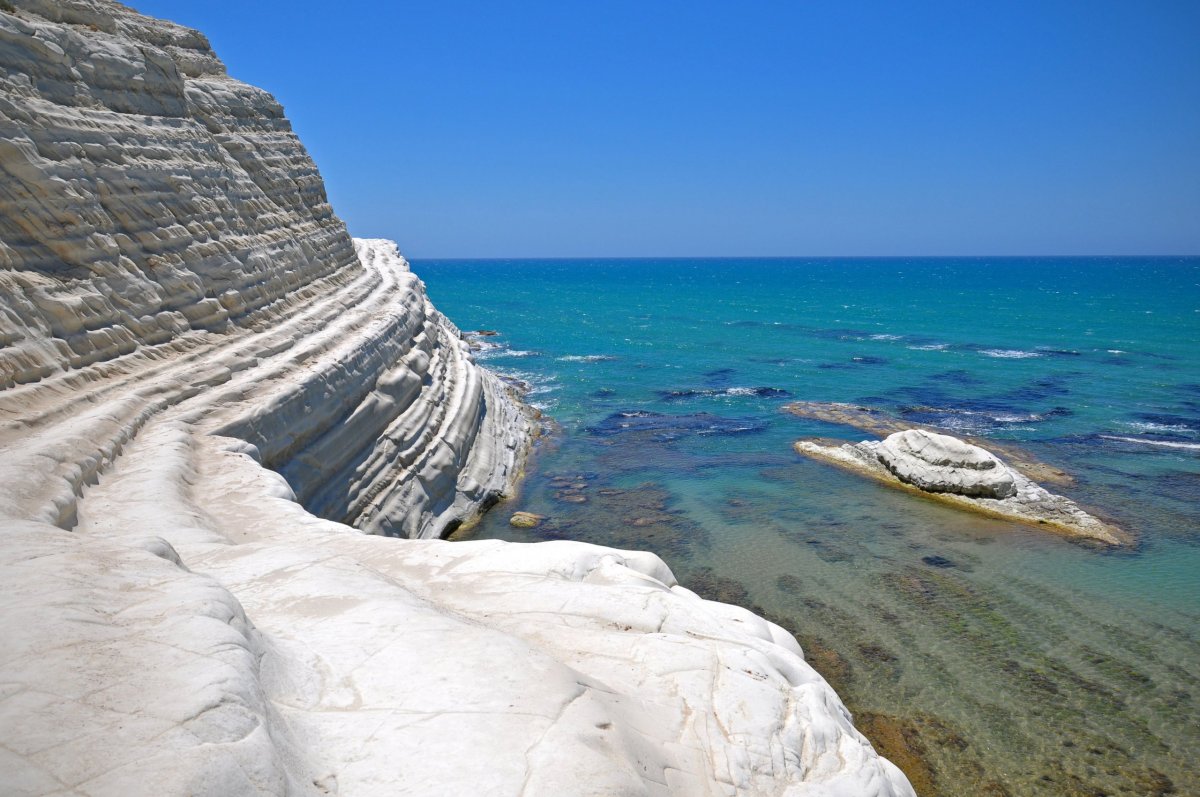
pixel 196 363
pixel 939 463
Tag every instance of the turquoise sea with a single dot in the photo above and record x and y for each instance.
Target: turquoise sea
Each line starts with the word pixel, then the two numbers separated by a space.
pixel 984 657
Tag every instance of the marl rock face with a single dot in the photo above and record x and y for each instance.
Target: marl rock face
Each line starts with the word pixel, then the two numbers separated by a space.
pixel 201 372
pixel 152 205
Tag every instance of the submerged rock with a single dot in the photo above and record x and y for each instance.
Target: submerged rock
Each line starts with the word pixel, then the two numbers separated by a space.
pixel 661 427
pixel 526 520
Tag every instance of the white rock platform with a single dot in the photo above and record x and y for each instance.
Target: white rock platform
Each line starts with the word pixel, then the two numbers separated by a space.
pixel 177 623
pixel 208 394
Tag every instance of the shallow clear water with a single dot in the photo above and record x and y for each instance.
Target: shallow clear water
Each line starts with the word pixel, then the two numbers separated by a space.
pixel 984 657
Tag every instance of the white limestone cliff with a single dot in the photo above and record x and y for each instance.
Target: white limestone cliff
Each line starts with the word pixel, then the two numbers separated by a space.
pixel 207 393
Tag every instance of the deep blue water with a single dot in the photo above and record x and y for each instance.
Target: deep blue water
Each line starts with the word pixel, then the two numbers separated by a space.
pixel 667 378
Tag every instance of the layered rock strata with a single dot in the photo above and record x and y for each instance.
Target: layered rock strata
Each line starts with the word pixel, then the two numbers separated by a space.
pixel 201 373
pixel 964 475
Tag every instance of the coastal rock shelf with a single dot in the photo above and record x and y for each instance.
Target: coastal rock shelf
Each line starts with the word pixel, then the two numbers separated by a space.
pixel 963 475
pixel 208 393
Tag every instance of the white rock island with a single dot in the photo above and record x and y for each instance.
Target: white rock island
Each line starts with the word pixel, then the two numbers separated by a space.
pixel 966 476
pixel 208 393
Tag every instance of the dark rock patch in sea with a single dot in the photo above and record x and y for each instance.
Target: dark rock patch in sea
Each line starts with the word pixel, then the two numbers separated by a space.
pixel 1017 401
pixel 708 584
pixel 665 428
pixel 781 326
pixel 829 552
pixel 1058 352
pixel 1169 422
pixel 730 392
pixel 636 518
pixel 958 376
pixel 935 404
pixel 1040 389
pixel 1181 484
pixel 914 742
pixel 979 417
pixel 838 333
pixel 719 377
pixel 854 362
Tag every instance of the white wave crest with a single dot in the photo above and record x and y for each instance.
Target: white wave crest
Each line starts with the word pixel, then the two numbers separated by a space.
pixel 1147 426
pixel 1160 443
pixel 1010 354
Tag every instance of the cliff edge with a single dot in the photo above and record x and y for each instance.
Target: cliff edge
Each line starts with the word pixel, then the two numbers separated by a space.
pixel 208 391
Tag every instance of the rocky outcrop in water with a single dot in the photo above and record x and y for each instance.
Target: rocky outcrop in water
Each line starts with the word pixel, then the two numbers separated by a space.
pixel 203 379
pixel 967 476
pixel 880 423
pixel 939 463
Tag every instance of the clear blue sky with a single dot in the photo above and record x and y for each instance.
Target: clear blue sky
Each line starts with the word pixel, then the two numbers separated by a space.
pixel 656 127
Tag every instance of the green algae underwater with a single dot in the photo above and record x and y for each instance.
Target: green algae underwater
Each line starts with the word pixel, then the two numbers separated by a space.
pixel 983 657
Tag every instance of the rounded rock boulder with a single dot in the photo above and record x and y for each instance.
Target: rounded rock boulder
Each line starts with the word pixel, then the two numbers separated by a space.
pixel 939 463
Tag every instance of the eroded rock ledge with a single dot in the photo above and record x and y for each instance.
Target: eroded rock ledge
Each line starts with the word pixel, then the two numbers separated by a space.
pixel 197 364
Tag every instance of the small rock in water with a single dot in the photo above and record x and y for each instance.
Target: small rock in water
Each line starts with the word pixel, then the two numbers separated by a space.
pixel 526 520
pixel 570 497
pixel 937 561
pixel 486 333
